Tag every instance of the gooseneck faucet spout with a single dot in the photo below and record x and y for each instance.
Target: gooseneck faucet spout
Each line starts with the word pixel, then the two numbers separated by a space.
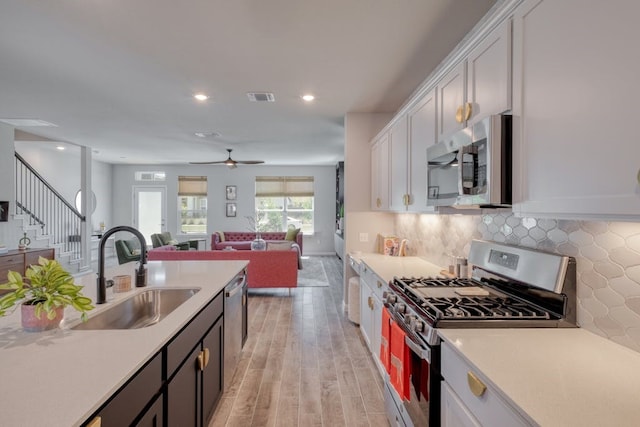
pixel 141 273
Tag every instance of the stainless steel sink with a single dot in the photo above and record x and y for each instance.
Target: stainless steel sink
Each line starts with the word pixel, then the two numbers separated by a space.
pixel 140 310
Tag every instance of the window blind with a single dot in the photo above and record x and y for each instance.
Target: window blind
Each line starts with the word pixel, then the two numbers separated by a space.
pixel 192 186
pixel 284 186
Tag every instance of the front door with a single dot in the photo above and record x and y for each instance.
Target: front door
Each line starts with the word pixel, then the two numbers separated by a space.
pixel 149 210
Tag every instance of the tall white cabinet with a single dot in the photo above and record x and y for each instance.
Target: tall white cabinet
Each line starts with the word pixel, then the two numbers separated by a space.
pixel 575 88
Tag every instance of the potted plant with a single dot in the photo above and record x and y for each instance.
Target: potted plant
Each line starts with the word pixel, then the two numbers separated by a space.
pixel 47 290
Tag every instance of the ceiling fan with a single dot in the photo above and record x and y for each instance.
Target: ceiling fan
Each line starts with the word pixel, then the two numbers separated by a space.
pixel 230 162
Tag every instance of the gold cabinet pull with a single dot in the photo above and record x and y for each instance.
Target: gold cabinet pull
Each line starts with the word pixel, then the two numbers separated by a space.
pixel 370 302
pixel 379 284
pixel 638 176
pixel 206 357
pixel 468 110
pixel 378 202
pixel 96 422
pixel 201 361
pixel 475 385
pixel 459 114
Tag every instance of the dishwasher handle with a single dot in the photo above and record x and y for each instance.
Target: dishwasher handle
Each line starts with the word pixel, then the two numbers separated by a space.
pixel 234 288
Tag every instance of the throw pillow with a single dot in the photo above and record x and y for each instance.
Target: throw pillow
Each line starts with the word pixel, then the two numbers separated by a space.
pixel 279 246
pixel 292 234
pixel 220 236
pixel 172 242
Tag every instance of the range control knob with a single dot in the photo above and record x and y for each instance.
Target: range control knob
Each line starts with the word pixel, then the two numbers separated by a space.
pixel 391 299
pixel 417 325
pixel 409 319
pixel 401 308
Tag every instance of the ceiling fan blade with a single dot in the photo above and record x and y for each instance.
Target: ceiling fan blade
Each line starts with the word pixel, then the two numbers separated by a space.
pixel 250 162
pixel 208 163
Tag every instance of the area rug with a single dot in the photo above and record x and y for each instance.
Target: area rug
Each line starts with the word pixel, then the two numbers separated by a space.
pixel 312 273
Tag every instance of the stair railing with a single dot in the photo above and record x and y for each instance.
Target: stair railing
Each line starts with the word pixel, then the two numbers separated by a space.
pixel 44 207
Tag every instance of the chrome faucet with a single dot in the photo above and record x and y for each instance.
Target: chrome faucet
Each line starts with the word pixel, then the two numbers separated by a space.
pixel 141 273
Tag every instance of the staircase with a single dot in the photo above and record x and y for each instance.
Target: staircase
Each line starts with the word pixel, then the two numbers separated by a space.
pixel 46 215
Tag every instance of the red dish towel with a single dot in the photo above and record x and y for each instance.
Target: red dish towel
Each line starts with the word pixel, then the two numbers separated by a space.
pixel 385 354
pixel 400 370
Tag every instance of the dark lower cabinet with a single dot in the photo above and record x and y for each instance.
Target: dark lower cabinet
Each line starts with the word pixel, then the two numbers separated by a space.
pixel 129 403
pixel 212 376
pixel 180 386
pixel 183 393
pixel 194 390
pixel 154 416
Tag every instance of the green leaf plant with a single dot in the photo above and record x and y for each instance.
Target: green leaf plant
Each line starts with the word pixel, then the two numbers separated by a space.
pixel 47 286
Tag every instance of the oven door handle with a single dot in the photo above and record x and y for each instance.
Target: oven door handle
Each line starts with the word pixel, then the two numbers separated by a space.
pixel 422 353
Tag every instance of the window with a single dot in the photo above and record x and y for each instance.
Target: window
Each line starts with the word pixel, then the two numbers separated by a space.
pixel 282 201
pixel 192 204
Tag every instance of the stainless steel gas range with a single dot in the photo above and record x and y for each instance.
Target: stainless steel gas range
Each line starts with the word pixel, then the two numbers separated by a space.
pixel 509 287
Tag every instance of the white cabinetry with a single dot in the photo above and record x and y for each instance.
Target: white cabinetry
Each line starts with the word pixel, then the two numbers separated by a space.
pixel 478 86
pixel 398 176
pixel 422 133
pixel 575 88
pixel 467 400
pixel 380 173
pixel 451 99
pixel 371 290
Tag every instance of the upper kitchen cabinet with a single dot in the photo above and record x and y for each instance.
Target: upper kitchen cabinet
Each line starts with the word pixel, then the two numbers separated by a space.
pixel 575 88
pixel 380 173
pixel 422 131
pixel 478 86
pixel 398 174
pixel 451 101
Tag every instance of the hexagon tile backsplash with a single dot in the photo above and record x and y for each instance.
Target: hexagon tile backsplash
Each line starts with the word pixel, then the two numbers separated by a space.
pixel 607 255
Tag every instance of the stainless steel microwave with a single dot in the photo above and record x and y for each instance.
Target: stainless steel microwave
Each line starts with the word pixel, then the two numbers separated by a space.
pixel 472 168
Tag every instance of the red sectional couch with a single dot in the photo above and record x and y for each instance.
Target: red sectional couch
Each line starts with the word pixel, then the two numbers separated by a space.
pixel 267 269
pixel 241 240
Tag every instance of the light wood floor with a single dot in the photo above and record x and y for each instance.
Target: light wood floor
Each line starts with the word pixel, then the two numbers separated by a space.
pixel 304 363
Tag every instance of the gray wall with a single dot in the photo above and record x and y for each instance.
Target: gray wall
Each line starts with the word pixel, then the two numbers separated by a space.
pixel 218 177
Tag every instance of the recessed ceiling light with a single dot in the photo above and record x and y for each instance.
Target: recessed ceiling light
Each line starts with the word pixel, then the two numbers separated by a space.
pixel 308 97
pixel 200 96
pixel 206 134
pixel 60 147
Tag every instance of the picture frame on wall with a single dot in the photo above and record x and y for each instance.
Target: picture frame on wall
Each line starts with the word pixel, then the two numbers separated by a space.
pixel 4 211
pixel 231 209
pixel 231 192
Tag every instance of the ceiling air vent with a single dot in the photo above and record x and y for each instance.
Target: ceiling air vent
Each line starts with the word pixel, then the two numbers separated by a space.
pixel 261 97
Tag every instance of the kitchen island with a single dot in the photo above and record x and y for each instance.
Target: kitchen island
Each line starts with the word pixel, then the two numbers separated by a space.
pixel 61 377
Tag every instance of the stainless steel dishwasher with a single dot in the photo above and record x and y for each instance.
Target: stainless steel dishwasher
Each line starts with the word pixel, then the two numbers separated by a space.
pixel 234 306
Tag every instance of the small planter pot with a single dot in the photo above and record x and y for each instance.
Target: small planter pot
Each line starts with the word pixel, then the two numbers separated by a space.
pixel 31 323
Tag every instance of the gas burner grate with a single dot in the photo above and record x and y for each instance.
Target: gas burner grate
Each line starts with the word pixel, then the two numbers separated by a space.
pixel 434 282
pixel 490 307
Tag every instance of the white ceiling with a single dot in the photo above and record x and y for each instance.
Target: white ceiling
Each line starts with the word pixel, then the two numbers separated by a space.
pixel 119 75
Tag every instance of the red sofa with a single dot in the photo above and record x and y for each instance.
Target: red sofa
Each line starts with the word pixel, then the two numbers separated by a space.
pixel 267 269
pixel 241 240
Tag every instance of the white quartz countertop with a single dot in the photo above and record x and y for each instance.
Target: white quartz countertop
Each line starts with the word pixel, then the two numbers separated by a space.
pixel 388 266
pixel 60 377
pixel 556 377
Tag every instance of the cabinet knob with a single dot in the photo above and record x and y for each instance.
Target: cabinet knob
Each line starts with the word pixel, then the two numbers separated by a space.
pixel 638 176
pixel 370 302
pixel 468 110
pixel 476 386
pixel 379 284
pixel 378 202
pixel 460 114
